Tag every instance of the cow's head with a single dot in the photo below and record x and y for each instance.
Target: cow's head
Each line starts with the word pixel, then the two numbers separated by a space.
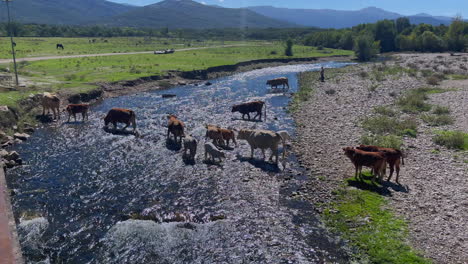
pixel 235 108
pixel 349 151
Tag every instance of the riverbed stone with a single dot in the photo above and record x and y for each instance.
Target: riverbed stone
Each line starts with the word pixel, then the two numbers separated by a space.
pixel 12 156
pixel 21 136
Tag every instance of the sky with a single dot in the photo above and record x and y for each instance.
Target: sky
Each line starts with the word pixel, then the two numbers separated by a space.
pixel 405 7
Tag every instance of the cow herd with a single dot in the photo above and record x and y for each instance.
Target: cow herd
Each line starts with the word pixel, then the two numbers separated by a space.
pixel 221 137
pixel 369 156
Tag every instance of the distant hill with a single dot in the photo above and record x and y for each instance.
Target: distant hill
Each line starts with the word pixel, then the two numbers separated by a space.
pixel 327 18
pixel 68 12
pixel 191 14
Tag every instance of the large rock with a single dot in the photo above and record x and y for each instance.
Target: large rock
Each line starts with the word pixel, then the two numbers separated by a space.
pixel 21 136
pixel 3 153
pixel 3 137
pixel 12 156
pixel 8 117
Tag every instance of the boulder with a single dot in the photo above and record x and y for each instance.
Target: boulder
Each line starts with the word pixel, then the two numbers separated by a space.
pixel 12 156
pixel 3 153
pixel 21 136
pixel 3 137
pixel 8 117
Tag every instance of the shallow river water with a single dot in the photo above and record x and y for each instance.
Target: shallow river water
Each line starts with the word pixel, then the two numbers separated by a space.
pixel 79 185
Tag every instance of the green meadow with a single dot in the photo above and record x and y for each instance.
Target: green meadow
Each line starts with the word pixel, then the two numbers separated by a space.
pixel 38 47
pixel 81 74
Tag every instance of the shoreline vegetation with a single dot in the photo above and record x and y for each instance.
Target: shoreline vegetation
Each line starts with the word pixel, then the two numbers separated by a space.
pixel 398 104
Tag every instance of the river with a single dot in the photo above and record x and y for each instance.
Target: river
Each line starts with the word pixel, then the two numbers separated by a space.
pixel 75 195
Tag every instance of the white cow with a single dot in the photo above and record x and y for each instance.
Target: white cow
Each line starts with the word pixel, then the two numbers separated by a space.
pixel 51 101
pixel 262 139
pixel 212 151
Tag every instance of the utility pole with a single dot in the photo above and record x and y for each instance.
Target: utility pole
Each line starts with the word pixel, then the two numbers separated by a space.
pixel 11 40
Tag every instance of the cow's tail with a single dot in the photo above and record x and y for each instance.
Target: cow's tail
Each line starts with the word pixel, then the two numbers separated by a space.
pixel 283 141
pixel 265 111
pixel 133 119
pixel 402 158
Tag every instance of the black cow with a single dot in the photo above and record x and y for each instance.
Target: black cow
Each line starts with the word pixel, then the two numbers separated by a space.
pixel 250 107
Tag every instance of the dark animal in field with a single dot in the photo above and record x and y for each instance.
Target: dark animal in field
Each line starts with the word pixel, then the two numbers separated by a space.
pixel 250 107
pixel 120 115
pixel 278 81
pixel 60 46
pixel 175 127
pixel 74 109
pixel 374 160
pixel 51 102
pixel 14 44
pixel 190 144
pixel 392 156
pixel 212 151
pixel 262 139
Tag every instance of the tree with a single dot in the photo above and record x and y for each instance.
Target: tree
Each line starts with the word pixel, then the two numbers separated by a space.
pixel 365 48
pixel 385 33
pixel 455 35
pixel 431 42
pixel 402 23
pixel 288 51
pixel 347 41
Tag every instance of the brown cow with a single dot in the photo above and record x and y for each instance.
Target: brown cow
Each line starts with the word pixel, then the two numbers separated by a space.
pixel 278 81
pixel 359 158
pixel 392 156
pixel 247 108
pixel 220 136
pixel 176 127
pixel 51 101
pixel 74 109
pixel 120 115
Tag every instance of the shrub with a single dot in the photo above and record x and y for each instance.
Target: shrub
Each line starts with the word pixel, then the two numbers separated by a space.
pixel 452 139
pixel 437 120
pixel 441 110
pixel 288 50
pixel 382 125
pixel 385 110
pixel 273 52
pixel 363 74
pixel 390 141
pixel 69 77
pixel 413 102
pixel 330 92
pixel 433 80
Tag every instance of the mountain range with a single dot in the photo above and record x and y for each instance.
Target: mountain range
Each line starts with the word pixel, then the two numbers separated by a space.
pixel 327 18
pixel 191 14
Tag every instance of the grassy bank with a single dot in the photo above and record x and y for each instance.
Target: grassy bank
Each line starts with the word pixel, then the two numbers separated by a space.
pixel 37 47
pixel 363 218
pixel 80 74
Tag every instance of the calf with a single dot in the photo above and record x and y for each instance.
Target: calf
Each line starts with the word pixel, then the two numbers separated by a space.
pixel 220 136
pixel 250 107
pixel 212 151
pixel 212 132
pixel 74 109
pixel 278 81
pixel 262 139
pixel 51 102
pixel 190 144
pixel 360 158
pixel 121 115
pixel 392 156
pixel 175 127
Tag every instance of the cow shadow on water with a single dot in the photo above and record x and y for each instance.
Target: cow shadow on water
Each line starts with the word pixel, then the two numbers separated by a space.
pixel 261 164
pixel 382 188
pixel 173 145
pixel 247 120
pixel 119 132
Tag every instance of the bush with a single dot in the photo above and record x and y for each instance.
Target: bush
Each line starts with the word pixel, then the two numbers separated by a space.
pixel 69 77
pixel 413 103
pixel 288 51
pixel 441 110
pixel 452 139
pixel 390 141
pixel 363 74
pixel 365 48
pixel 433 80
pixel 437 120
pixel 385 110
pixel 273 52
pixel 382 125
pixel 330 92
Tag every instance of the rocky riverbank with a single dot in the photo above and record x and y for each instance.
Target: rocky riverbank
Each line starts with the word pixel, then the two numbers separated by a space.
pixel 432 197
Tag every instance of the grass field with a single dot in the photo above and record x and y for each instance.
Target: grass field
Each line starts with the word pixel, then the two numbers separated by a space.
pixel 81 73
pixel 38 47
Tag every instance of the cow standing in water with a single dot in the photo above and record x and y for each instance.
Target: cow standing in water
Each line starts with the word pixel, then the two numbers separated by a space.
pixel 74 109
pixel 278 81
pixel 51 101
pixel 250 107
pixel 175 127
pixel 262 139
pixel 120 115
